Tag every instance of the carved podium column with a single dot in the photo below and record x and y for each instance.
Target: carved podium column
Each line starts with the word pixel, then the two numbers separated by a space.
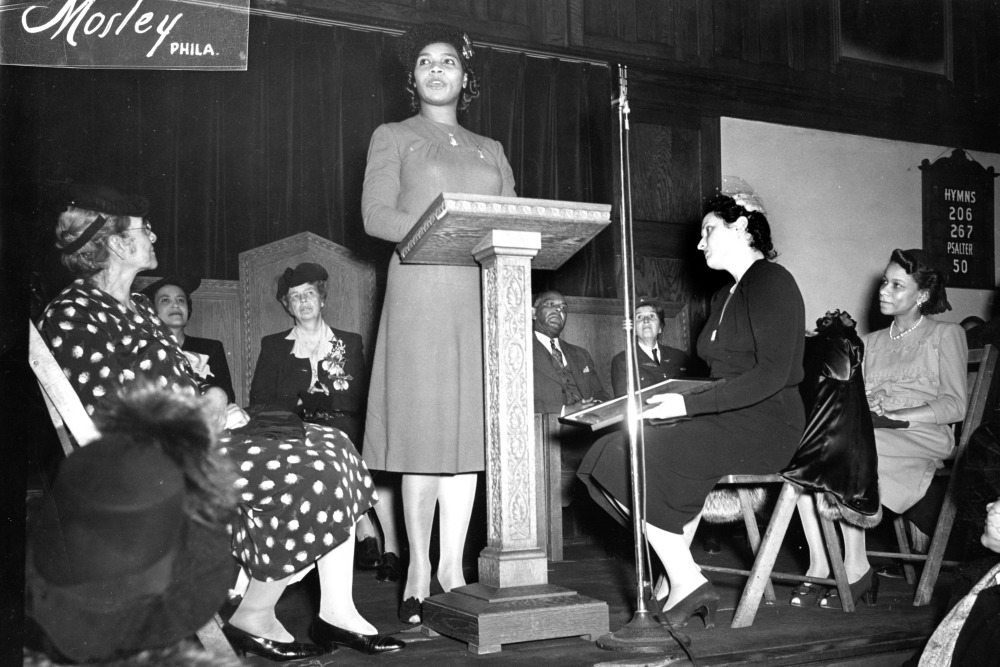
pixel 513 556
pixel 513 601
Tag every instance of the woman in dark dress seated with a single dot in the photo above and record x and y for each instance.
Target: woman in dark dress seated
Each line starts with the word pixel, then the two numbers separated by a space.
pixel 748 421
pixel 300 489
pixel 317 372
pixel 171 299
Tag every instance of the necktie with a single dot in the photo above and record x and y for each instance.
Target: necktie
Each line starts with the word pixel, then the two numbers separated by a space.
pixel 656 356
pixel 557 356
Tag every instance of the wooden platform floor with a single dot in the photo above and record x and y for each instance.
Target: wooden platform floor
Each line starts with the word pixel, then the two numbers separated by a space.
pixel 887 634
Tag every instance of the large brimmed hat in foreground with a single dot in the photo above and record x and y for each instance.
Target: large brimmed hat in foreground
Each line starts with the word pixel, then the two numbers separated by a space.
pixel 130 550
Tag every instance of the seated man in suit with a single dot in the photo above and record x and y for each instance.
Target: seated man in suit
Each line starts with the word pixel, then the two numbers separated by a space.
pixel 565 380
pixel 657 362
pixel 171 299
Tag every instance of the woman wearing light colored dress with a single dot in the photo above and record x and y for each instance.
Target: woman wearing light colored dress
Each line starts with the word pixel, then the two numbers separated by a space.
pixel 425 406
pixel 915 372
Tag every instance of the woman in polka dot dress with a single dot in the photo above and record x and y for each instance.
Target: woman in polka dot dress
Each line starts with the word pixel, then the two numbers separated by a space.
pixel 301 488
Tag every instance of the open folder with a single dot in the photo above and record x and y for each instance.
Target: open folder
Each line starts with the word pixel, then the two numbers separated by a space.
pixel 611 412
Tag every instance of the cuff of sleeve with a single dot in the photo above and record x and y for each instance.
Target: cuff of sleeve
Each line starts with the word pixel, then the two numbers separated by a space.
pixel 942 415
pixel 701 404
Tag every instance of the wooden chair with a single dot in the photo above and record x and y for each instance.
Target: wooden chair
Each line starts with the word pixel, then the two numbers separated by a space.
pixel 981 366
pixel 76 429
pixel 766 551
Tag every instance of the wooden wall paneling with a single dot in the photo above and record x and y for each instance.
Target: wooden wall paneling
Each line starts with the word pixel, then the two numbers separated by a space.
pixel 672 24
pixel 574 21
pixel 514 11
pixel 550 21
pixel 610 18
pixel 770 60
pixel 350 300
pixel 774 21
pixel 663 185
pixel 216 314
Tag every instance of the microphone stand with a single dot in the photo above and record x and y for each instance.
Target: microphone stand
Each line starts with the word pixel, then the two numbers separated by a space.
pixel 644 633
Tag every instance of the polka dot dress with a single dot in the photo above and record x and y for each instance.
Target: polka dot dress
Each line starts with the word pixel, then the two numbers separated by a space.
pixel 299 497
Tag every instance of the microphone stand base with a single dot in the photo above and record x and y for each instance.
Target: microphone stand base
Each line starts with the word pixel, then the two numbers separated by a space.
pixel 643 634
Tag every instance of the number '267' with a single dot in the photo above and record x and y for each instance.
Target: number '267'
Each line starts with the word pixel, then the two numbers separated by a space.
pixel 961 231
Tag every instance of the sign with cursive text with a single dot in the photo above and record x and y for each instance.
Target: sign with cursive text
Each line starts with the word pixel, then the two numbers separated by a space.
pixel 126 34
pixel 959 219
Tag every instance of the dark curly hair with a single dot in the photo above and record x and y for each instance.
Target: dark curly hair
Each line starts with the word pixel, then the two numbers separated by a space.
pixel 412 42
pixel 925 271
pixel 729 211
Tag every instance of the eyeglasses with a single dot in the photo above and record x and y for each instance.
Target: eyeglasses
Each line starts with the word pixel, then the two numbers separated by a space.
pixel 146 227
pixel 302 297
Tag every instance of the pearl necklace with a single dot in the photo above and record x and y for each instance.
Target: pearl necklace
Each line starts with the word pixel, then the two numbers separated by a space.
pixel 903 333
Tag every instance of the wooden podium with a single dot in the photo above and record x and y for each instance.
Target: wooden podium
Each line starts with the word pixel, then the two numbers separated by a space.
pixel 513 601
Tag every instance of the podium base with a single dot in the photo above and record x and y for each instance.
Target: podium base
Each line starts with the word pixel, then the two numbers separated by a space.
pixel 486 618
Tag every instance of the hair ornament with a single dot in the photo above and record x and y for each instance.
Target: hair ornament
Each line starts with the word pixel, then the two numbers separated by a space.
pixel 467 51
pixel 743 194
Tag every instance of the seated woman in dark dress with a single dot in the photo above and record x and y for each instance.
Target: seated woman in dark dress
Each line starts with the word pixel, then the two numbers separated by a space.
pixel 316 372
pixel 300 490
pixel 171 299
pixel 748 421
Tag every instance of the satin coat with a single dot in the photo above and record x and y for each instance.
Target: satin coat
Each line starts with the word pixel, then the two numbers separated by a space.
pixel 837 453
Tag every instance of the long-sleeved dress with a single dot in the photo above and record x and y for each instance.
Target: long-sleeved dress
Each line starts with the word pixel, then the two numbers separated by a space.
pixel 425 402
pixel 299 495
pixel 926 366
pixel 747 422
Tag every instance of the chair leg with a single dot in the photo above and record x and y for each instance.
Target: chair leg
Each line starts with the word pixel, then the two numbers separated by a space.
pixel 833 552
pixel 904 548
pixel 211 637
pixel 760 575
pixel 935 554
pixel 753 535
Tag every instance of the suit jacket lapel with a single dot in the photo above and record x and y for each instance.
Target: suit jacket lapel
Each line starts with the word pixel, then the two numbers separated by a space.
pixel 544 355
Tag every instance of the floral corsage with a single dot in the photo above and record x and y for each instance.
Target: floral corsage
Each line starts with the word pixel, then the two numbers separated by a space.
pixel 331 367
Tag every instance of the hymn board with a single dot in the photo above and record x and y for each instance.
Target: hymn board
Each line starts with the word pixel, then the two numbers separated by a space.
pixel 958 218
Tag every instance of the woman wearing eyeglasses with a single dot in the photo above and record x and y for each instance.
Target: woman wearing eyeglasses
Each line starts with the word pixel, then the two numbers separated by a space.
pixel 300 488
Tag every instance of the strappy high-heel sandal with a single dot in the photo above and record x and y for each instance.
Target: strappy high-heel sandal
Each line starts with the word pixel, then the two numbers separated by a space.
pixel 806 595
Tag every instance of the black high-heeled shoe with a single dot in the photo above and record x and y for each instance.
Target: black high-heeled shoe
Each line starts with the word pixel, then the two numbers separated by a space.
pixel 409 608
pixel 330 636
pixel 243 642
pixel 702 601
pixel 865 588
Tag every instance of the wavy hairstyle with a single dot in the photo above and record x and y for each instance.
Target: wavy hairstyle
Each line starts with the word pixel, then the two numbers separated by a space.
pixel 729 211
pixel 923 268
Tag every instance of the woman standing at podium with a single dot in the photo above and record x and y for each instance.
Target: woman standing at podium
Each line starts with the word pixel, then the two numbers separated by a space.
pixel 425 406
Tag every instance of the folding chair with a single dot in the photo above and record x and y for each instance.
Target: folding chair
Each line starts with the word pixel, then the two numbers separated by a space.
pixel 76 429
pixel 766 551
pixel 981 366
